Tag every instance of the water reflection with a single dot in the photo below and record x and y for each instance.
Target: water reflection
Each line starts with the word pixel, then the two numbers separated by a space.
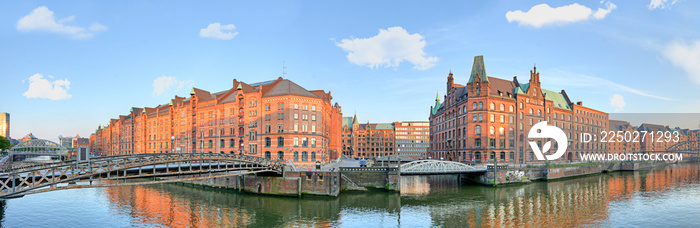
pixel 616 199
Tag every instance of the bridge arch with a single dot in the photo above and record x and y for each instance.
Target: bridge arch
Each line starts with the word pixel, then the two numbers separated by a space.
pixel 25 180
pixel 687 146
pixel 438 167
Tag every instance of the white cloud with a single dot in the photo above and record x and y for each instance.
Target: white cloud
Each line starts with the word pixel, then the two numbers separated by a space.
pixel 388 49
pixel 165 83
pixel 660 4
pixel 43 19
pixel 218 31
pixel 685 56
pixel 617 101
pixel 542 14
pixel 39 87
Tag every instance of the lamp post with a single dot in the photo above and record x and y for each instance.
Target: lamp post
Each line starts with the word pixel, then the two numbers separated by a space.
pixel 172 144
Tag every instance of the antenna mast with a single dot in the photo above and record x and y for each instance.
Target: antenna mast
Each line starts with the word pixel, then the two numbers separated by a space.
pixel 284 70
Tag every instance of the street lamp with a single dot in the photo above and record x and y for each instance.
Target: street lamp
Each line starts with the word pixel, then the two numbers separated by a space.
pixel 172 144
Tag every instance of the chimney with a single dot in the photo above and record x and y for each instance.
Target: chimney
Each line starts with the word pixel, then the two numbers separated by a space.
pixel 580 103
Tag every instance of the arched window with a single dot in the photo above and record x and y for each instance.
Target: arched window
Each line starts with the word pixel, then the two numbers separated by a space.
pixel 280 141
pixel 510 109
pixel 280 155
pixel 501 131
pixel 477 156
pixel 304 156
pixel 296 156
pixel 211 144
pixel 503 107
pixel 477 130
pixel 268 141
pixel 492 106
pixel 474 105
pixel 492 130
pixel 511 156
pixel 313 142
pixel 503 156
pixel 313 156
pixel 530 111
pixel 267 154
pixel 481 105
pixel 539 112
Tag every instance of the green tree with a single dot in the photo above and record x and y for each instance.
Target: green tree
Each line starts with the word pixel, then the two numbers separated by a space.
pixel 4 143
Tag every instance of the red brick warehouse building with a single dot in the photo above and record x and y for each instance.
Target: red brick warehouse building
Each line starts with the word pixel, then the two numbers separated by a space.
pixel 490 118
pixel 275 119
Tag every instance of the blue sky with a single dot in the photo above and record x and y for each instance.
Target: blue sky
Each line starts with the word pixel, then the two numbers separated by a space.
pixel 67 67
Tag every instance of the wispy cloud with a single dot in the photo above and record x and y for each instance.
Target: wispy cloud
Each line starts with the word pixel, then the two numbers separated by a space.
pixel 660 4
pixel 219 31
pixel 543 15
pixel 686 56
pixel 388 49
pixel 43 20
pixel 164 83
pixel 575 80
pixel 40 87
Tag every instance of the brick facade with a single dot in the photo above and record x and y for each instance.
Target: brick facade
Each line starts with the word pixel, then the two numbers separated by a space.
pixel 276 119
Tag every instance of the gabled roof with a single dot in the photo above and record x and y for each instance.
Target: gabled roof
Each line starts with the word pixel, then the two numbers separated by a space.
pixel 558 99
pixel 651 127
pixel 618 125
pixel 286 87
pixel 500 85
pixel 478 69
pixel 347 121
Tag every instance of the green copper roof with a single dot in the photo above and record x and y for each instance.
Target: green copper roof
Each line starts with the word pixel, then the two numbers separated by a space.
pixel 478 69
pixel 384 126
pixel 558 100
pixel 525 87
pixel 437 104
pixel 347 121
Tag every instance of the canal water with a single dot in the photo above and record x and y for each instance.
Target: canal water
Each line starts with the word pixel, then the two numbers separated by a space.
pixel 662 197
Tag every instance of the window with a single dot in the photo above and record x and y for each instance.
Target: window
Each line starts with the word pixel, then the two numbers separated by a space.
pixel 503 119
pixel 501 131
pixel 296 116
pixel 474 117
pixel 280 155
pixel 231 143
pixel 313 156
pixel 267 154
pixel 481 106
pixel 492 106
pixel 477 130
pixel 280 128
pixel 492 143
pixel 280 106
pixel 296 141
pixel 296 156
pixel 296 127
pixel 268 141
pixel 304 156
pixel 313 117
pixel 474 105
pixel 530 111
pixel 481 117
pixel 222 143
pixel 477 142
pixel 280 141
pixel 313 108
pixel 510 109
pixel 304 142
pixel 478 91
pixel 210 145
pixel 296 106
pixel 491 130
pixel 492 117
pixel 313 142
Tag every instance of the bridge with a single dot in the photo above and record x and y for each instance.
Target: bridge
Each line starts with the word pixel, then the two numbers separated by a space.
pixel 18 181
pixel 435 167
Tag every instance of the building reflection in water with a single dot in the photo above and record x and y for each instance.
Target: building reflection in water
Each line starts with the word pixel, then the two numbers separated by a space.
pixel 424 201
